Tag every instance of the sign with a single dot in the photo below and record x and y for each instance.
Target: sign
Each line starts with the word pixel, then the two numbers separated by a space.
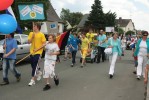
pixel 52 27
pixel 31 11
pixel 109 29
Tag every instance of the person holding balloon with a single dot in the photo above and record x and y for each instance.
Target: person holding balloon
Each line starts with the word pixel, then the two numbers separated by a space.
pixel 10 46
pixel 37 40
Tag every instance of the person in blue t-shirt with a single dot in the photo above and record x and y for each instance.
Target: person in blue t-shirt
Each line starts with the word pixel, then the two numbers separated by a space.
pixel 10 46
pixel 74 48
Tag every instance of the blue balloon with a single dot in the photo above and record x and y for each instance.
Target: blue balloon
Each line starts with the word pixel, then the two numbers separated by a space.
pixel 7 24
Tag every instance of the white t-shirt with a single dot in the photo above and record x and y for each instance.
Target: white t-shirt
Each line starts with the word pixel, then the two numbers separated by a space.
pixel 51 47
pixel 123 43
pixel 143 48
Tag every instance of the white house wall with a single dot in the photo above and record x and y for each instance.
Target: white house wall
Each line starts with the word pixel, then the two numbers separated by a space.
pixel 130 27
pixel 61 27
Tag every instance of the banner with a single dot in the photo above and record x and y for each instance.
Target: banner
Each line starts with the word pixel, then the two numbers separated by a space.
pixel 109 29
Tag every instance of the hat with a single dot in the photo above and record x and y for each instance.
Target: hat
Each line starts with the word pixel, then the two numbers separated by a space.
pixel 145 33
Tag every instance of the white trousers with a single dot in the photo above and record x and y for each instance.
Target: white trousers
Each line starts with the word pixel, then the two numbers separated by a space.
pixel 112 60
pixel 142 61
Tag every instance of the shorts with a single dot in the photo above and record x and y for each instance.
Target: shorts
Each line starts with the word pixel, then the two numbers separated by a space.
pixel 84 53
pixel 49 68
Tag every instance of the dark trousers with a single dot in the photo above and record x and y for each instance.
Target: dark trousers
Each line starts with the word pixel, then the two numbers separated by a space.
pixel 74 56
pixel 34 61
pixel 101 53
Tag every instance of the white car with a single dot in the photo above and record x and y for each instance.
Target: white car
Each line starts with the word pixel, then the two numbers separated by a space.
pixel 23 47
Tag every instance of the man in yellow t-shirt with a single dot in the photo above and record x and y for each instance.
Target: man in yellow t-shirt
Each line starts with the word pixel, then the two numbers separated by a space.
pixel 85 46
pixel 90 36
pixel 37 40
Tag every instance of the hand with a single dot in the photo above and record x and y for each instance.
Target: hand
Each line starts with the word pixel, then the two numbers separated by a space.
pixel 5 55
pixel 4 46
pixel 110 47
pixel 145 81
pixel 51 53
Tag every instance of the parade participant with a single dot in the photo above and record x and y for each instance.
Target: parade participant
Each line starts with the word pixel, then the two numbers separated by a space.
pixel 58 58
pixel 10 46
pixel 52 50
pixel 37 40
pixel 74 48
pixel 123 44
pixel 85 47
pixel 101 46
pixel 90 36
pixel 115 44
pixel 142 49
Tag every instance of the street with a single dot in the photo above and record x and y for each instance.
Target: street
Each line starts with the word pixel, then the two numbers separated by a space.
pixel 89 83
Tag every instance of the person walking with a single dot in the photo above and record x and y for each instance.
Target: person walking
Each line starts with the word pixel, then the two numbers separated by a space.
pixel 101 46
pixel 37 40
pixel 9 58
pixel 85 47
pixel 142 50
pixel 123 44
pixel 74 42
pixel 115 44
pixel 52 50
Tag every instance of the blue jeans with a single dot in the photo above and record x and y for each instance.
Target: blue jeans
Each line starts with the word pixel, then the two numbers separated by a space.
pixel 9 63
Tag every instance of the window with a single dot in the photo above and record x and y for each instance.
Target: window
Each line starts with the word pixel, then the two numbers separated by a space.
pixel 18 39
pixel 24 39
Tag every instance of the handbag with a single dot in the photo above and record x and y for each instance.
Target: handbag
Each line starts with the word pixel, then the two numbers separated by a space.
pixel 108 51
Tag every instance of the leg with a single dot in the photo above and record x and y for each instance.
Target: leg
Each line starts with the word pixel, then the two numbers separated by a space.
pixel 84 53
pixel 74 57
pixel 103 53
pixel 5 70
pixel 13 69
pixel 112 66
pixel 98 54
pixel 144 65
pixel 139 67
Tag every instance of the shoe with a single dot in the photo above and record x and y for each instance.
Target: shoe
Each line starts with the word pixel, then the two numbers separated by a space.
pixel 56 80
pixel 4 83
pixel 82 66
pixel 138 77
pixel 47 87
pixel 111 76
pixel 31 83
pixel 134 72
pixel 39 75
pixel 18 78
pixel 72 65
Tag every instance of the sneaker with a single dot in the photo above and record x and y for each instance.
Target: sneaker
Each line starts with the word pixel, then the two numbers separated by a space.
pixel 134 72
pixel 56 80
pixel 47 87
pixel 31 83
pixel 39 75
pixel 138 77
pixel 82 66
pixel 72 65
pixel 4 83
pixel 18 78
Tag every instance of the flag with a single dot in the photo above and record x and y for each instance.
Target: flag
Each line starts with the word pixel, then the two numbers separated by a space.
pixel 62 39
pixel 10 12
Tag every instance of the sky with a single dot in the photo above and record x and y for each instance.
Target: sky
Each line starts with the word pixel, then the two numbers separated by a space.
pixel 137 10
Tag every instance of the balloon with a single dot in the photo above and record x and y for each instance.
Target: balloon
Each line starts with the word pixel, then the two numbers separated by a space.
pixel 4 4
pixel 7 24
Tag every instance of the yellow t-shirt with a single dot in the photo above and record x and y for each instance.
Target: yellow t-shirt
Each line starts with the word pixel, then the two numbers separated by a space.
pixel 37 42
pixel 90 36
pixel 85 43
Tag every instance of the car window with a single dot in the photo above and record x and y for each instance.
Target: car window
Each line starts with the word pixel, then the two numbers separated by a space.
pixel 24 39
pixel 18 39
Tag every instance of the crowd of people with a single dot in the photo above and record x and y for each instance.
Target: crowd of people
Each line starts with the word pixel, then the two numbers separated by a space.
pixel 112 47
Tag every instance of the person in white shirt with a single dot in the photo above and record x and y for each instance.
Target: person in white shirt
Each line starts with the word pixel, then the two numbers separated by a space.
pixel 123 44
pixel 142 50
pixel 52 50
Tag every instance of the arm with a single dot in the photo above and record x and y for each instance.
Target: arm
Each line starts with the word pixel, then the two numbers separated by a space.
pixel 9 53
pixel 31 37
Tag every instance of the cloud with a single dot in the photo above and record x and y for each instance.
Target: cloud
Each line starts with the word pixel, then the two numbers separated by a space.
pixel 127 9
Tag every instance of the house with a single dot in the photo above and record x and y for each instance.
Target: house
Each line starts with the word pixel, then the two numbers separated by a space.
pixel 125 24
pixel 53 24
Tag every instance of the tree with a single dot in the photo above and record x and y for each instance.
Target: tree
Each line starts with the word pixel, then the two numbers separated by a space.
pixel 110 19
pixel 96 16
pixel 130 33
pixel 72 17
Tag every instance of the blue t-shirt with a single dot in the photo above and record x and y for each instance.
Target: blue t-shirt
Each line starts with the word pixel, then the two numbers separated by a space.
pixel 101 38
pixel 115 45
pixel 74 42
pixel 70 37
pixel 11 43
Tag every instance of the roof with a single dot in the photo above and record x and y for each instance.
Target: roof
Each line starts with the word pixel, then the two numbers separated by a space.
pixel 82 22
pixel 123 22
pixel 52 15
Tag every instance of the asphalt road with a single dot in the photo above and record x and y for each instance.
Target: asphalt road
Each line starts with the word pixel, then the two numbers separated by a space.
pixel 89 83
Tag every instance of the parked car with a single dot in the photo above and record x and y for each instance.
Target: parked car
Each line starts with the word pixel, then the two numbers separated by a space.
pixel 23 47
